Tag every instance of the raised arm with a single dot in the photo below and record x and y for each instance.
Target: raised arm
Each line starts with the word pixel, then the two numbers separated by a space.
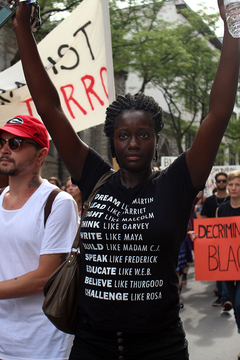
pixel 71 149
pixel 200 157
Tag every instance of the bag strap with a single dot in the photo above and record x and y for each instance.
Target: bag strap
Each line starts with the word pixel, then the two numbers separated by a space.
pixel 103 179
pixel 48 205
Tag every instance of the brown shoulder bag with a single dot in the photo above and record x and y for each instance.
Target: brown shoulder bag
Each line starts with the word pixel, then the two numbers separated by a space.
pixel 61 289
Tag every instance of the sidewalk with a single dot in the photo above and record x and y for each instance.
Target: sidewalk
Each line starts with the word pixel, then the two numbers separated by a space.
pixel 211 333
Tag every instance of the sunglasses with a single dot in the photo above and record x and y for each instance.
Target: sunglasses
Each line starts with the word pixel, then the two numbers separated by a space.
pixel 219 181
pixel 14 143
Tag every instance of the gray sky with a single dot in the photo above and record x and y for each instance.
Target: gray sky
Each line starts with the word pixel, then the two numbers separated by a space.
pixel 209 3
pixel 213 7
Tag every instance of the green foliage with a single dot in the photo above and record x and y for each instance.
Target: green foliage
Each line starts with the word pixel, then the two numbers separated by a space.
pixel 134 31
pixel 174 57
pixel 221 155
pixel 52 13
pixel 230 142
pixel 49 9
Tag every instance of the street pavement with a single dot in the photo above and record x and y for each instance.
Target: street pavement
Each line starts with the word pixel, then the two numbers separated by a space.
pixel 211 333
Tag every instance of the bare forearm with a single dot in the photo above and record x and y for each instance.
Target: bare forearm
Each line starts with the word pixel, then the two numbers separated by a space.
pixel 21 286
pixel 31 282
pixel 42 90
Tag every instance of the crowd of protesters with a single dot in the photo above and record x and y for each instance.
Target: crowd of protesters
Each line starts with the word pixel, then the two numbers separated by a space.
pixel 119 316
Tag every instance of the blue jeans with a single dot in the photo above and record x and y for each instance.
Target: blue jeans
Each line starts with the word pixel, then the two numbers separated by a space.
pixel 93 344
pixel 222 290
pixel 234 294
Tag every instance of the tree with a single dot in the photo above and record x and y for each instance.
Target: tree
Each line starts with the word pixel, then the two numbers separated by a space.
pixel 175 58
pixel 51 8
pixel 230 142
pixel 51 13
pixel 186 83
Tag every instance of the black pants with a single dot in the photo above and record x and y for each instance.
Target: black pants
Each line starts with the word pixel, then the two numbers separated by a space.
pixel 169 344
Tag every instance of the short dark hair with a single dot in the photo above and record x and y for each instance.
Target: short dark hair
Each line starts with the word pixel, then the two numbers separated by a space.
pixel 140 102
pixel 221 173
pixel 56 180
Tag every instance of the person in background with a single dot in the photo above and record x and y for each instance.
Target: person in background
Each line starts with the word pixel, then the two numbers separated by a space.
pixel 30 249
pixel 55 181
pixel 221 195
pixel 199 205
pixel 184 260
pixel 208 211
pixel 75 192
pixel 232 208
pixel 132 233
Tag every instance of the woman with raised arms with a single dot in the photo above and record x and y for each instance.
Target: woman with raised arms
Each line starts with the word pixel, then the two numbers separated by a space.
pixel 129 303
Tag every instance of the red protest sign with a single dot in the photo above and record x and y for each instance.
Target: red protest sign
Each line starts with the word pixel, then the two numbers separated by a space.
pixel 217 248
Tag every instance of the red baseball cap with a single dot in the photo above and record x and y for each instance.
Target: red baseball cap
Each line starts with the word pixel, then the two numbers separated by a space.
pixel 29 127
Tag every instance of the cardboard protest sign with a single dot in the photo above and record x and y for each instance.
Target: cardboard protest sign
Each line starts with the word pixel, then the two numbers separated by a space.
pixel 217 248
pixel 77 55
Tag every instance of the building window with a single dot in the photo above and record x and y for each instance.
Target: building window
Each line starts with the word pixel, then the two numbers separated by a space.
pixel 189 140
pixel 220 157
pixel 51 148
pixel 232 157
pixel 189 101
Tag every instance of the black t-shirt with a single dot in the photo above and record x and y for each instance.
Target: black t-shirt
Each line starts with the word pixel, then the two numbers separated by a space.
pixel 227 210
pixel 130 244
pixel 211 204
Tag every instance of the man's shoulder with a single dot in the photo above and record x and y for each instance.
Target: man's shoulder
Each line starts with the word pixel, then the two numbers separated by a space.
pixel 209 206
pixel 209 200
pixel 60 203
pixel 4 189
pixel 47 188
pixel 225 209
pixel 225 204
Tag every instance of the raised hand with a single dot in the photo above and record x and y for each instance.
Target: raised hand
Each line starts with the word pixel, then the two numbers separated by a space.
pixel 22 14
pixel 222 10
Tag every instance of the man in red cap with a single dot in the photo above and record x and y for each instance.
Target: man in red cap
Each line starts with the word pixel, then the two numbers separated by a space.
pixel 30 250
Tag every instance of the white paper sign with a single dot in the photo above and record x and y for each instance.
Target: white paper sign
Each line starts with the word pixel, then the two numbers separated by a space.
pixel 76 55
pixel 166 161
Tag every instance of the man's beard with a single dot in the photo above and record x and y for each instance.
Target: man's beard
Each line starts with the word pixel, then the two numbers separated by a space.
pixel 9 172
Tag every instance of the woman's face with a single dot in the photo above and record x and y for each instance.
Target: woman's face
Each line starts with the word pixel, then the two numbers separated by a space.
pixel 135 141
pixel 72 189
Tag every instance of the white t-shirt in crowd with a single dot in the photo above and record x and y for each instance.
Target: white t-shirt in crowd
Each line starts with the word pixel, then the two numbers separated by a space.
pixel 25 332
